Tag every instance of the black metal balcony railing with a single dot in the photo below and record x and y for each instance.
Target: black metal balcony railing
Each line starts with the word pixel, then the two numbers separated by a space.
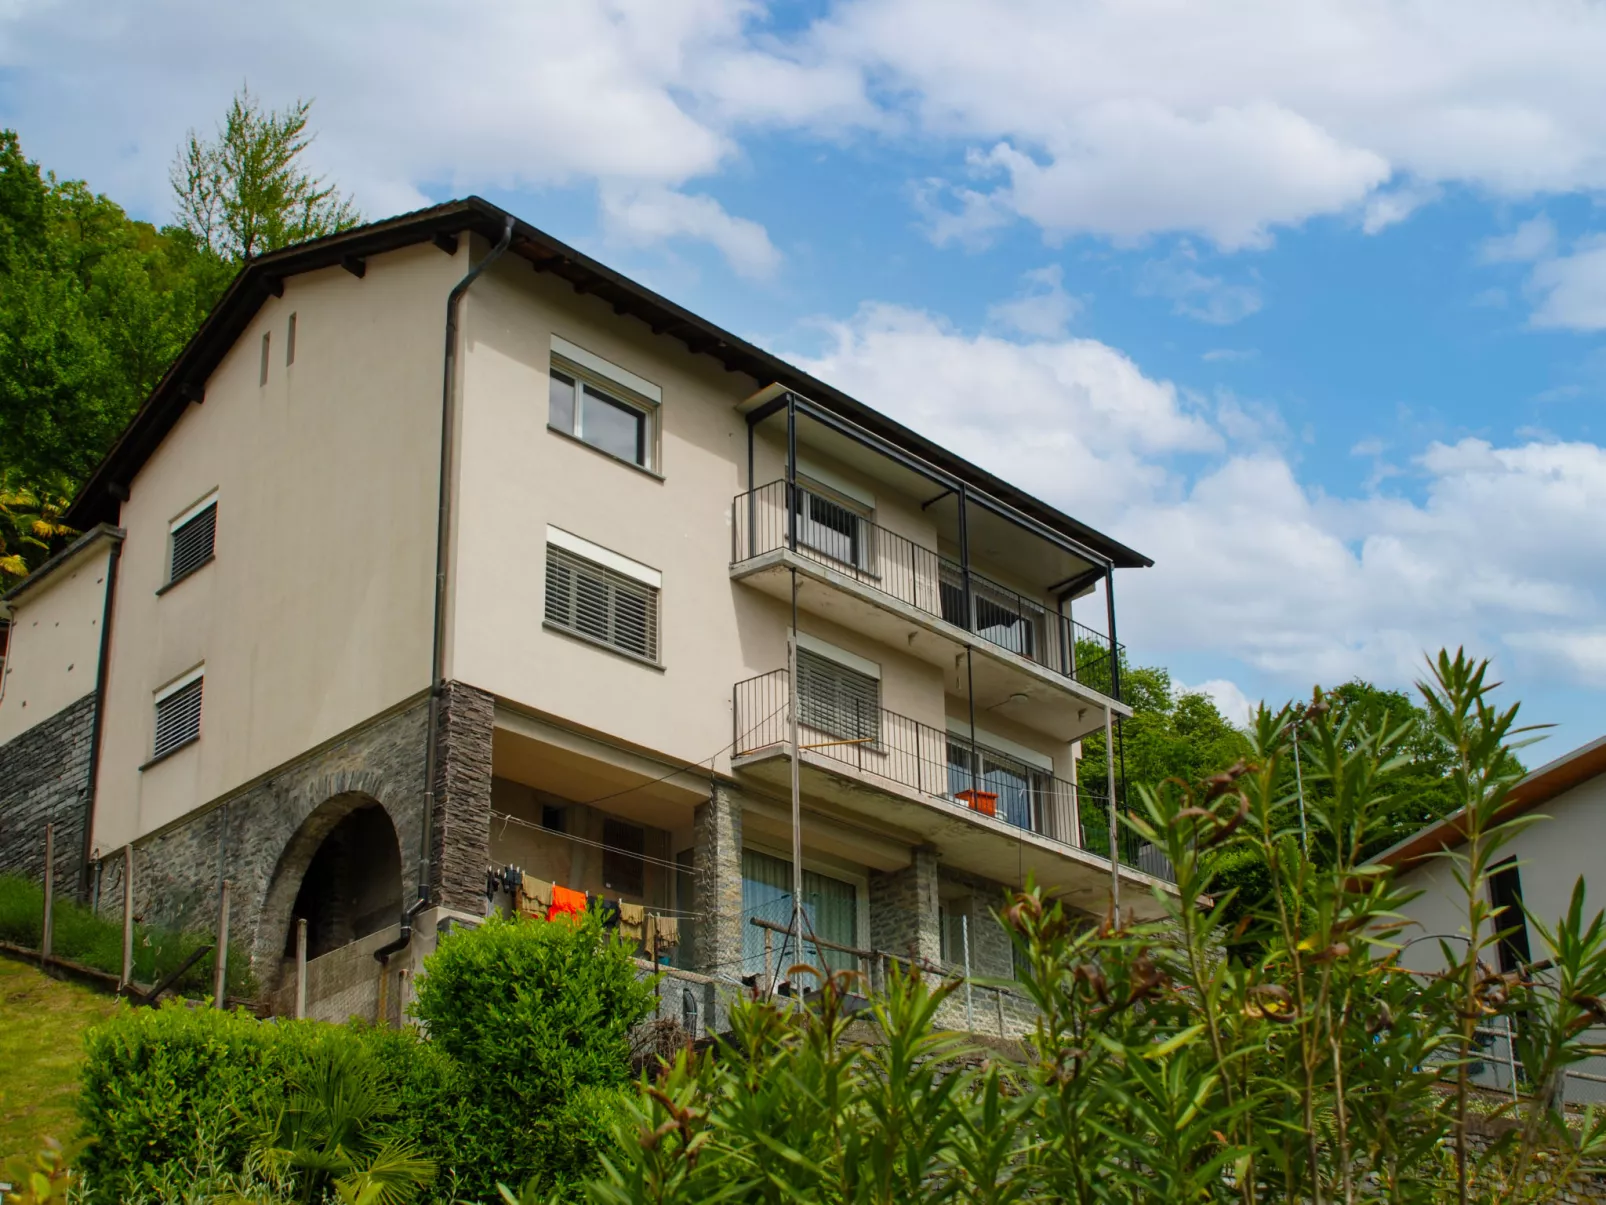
pixel 848 542
pixel 881 744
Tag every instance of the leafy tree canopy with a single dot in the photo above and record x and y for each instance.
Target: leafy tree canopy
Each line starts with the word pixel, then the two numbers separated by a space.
pixel 245 193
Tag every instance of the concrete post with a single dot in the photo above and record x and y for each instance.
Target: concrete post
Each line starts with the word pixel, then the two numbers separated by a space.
pixel 128 916
pixel 45 934
pixel 220 957
pixel 301 968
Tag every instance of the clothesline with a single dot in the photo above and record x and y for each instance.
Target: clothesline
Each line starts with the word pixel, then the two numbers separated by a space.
pixel 664 863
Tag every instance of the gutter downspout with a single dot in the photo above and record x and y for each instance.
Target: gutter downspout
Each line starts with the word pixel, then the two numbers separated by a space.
pixel 106 612
pixel 443 521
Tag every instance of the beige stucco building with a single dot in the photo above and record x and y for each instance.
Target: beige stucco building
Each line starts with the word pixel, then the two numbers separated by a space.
pixel 444 549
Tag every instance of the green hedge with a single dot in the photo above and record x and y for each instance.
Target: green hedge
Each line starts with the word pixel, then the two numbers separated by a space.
pixel 526 1069
pixel 80 935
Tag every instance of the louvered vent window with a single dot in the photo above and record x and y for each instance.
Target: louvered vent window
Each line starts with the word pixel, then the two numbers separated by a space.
pixel 178 718
pixel 837 700
pixel 608 607
pixel 193 542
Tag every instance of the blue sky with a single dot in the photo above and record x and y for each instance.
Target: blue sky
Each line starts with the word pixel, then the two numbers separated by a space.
pixel 1306 301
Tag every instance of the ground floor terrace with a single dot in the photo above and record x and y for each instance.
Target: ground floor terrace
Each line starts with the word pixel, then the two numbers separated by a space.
pixel 324 861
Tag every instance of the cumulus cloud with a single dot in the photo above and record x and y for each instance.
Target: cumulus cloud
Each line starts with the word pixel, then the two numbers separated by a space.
pixel 1228 697
pixel 1230 120
pixel 1225 121
pixel 1493 546
pixel 655 214
pixel 637 98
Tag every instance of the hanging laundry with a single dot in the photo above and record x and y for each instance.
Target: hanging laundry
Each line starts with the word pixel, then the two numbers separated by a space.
pixel 632 918
pixel 566 903
pixel 610 913
pixel 663 932
pixel 535 895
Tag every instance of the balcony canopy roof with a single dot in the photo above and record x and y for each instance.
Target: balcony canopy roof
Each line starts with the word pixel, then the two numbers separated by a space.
pixel 263 277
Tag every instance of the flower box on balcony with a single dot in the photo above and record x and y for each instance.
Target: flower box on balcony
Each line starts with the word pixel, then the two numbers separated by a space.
pixel 985 802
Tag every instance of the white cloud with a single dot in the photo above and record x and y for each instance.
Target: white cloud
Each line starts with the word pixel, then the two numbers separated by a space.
pixel 1044 308
pixel 1072 419
pixel 1228 697
pixel 1388 208
pixel 1533 240
pixel 654 215
pixel 1232 119
pixel 1572 288
pixel 1578 655
pixel 1227 121
pixel 1194 294
pixel 636 97
pixel 1486 545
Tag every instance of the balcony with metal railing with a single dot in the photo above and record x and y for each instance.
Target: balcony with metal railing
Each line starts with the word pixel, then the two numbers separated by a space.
pixel 989 812
pixel 869 578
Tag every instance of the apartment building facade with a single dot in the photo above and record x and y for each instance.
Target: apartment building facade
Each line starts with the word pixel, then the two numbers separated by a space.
pixel 444 548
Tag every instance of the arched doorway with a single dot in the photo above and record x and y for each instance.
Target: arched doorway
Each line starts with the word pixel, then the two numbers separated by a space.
pixel 353 885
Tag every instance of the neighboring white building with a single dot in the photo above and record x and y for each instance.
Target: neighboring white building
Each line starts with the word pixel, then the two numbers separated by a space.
pixel 1536 870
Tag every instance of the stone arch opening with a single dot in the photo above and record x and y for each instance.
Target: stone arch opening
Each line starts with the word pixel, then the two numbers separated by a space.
pixel 353 885
pixel 371 851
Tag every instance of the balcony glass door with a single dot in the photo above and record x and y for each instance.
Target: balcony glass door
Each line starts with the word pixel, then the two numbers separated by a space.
pixel 830 912
pixel 1018 787
pixel 829 526
pixel 1000 616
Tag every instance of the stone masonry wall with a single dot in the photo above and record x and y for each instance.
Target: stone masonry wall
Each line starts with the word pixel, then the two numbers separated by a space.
pixel 718 863
pixel 263 838
pixel 903 909
pixel 462 818
pixel 44 779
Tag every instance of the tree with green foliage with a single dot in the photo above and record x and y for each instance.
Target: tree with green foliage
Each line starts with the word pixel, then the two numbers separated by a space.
pixel 93 308
pixel 245 192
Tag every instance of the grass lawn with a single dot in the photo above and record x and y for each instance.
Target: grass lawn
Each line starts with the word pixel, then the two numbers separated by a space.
pixel 42 1024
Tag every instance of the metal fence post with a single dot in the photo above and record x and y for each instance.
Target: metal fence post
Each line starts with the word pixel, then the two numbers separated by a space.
pixel 220 969
pixel 45 933
pixel 970 1014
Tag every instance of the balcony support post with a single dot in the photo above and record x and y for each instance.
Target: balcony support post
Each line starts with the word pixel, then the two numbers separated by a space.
pixel 797 786
pixel 970 626
pixel 752 503
pixel 1109 611
pixel 1115 853
pixel 791 488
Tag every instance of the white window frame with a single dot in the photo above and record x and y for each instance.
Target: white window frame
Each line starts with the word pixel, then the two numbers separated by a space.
pixel 617 385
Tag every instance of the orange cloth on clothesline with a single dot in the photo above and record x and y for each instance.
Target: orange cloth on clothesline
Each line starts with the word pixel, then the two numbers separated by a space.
pixel 566 902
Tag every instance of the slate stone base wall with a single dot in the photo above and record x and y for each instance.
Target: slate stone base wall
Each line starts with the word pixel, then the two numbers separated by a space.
pixel 903 909
pixel 718 863
pixel 263 838
pixel 44 779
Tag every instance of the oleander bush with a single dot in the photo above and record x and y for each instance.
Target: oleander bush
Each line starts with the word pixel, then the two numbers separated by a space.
pixel 1283 1055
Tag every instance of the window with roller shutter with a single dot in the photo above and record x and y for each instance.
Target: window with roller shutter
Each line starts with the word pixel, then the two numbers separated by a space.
pixel 588 600
pixel 837 700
